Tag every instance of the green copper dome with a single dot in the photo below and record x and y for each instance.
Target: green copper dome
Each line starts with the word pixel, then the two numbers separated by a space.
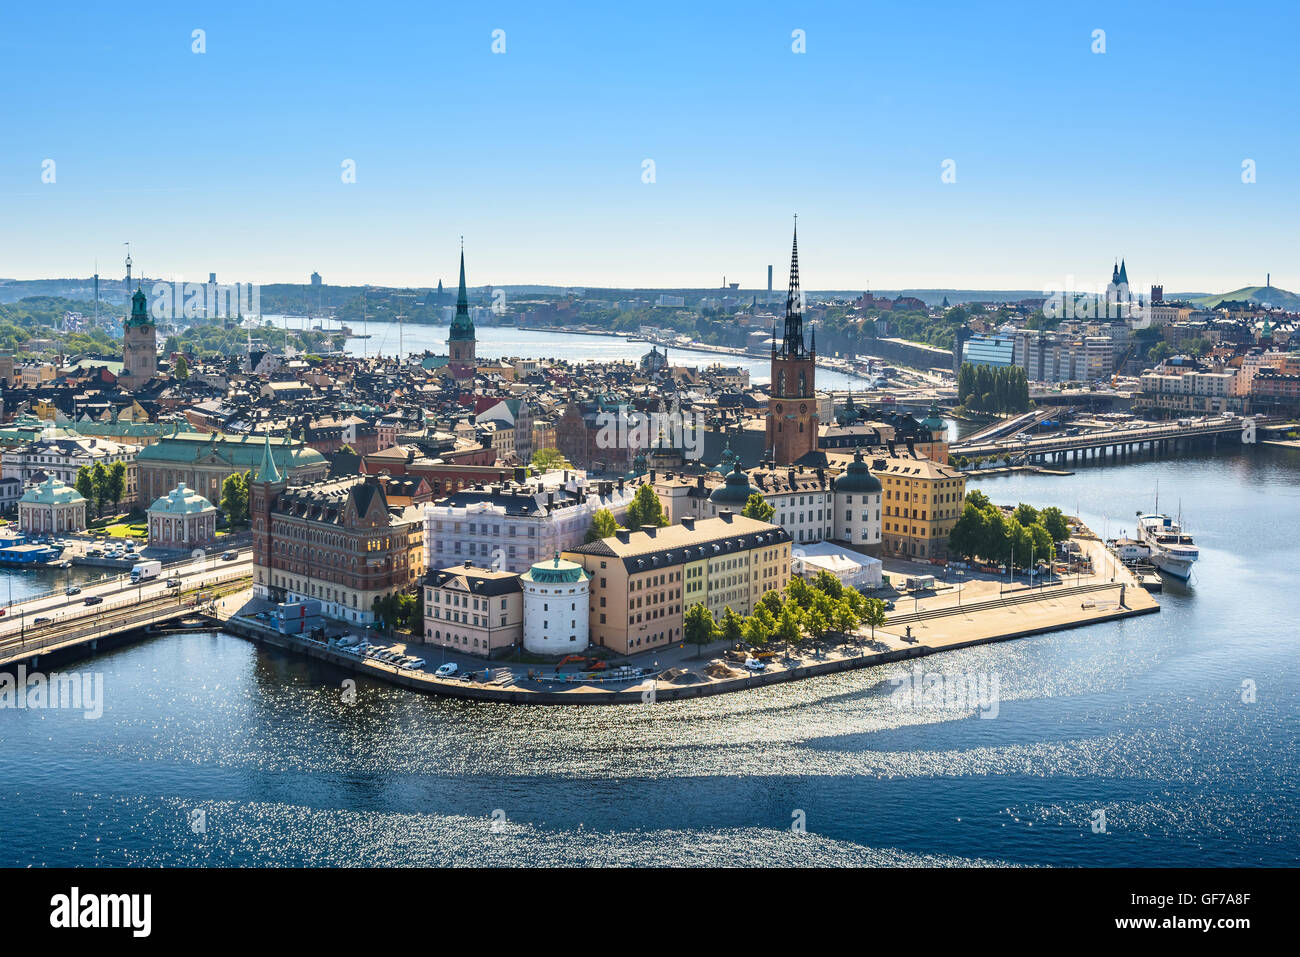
pixel 728 460
pixel 139 311
pixel 857 477
pixel 736 491
pixel 933 422
pixel 557 571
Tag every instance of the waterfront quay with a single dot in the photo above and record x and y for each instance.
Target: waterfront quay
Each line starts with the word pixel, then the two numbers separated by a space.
pixel 973 610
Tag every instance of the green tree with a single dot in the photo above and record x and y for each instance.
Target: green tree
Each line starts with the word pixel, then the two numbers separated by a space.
pixel 85 484
pixel 182 369
pixel 1026 514
pixel 760 625
pixel 234 498
pixel 1054 521
pixel 843 618
pixel 757 507
pixel 116 484
pixel 732 626
pixel 874 615
pixel 788 628
pixel 603 525
pixel 828 583
pixel 99 482
pixel 548 460
pixel 698 626
pixel 645 509
pixel 773 601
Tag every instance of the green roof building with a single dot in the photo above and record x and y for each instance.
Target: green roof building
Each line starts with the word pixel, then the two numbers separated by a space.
pixel 203 461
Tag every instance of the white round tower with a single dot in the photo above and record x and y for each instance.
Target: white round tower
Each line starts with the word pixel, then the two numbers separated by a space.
pixel 555 607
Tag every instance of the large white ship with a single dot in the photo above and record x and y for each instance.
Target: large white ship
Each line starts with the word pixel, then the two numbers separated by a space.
pixel 1172 551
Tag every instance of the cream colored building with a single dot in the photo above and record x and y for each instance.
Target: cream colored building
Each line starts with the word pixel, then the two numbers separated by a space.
pixel 642 581
pixel 478 611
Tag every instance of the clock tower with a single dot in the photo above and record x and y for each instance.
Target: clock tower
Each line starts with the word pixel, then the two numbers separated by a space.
pixel 792 407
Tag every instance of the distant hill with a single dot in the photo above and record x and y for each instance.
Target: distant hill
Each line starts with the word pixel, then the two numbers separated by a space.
pixel 1261 294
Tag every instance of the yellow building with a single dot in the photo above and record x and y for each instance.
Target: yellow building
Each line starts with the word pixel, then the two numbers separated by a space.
pixel 642 581
pixel 922 501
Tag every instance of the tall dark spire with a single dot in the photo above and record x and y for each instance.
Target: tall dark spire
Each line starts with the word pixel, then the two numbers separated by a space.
pixel 792 346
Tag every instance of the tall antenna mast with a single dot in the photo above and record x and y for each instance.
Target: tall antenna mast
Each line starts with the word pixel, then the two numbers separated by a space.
pixel 400 316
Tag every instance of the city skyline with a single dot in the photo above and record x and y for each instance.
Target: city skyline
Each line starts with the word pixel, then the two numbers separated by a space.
pixel 1063 158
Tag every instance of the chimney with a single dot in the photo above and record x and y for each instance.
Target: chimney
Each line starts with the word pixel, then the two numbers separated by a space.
pixel 699 481
pixel 726 515
pixel 469 563
pixel 521 474
pixel 652 476
pixel 650 530
pixel 623 535
pixel 688 522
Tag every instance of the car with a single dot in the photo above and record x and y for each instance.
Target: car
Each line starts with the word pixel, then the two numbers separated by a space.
pixel 130 546
pixel 416 663
pixel 72 590
pixel 94 599
pixel 447 670
pixel 753 664
pixel 229 556
pixel 40 620
pixel 173 583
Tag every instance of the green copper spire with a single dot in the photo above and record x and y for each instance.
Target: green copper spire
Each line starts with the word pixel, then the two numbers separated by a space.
pixel 462 327
pixel 139 312
pixel 268 472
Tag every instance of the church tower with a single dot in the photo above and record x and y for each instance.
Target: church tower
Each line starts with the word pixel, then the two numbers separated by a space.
pixel 461 343
pixel 139 345
pixel 792 406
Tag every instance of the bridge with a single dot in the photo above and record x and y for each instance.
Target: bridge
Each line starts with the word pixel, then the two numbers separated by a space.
pixel 61 622
pixel 1120 441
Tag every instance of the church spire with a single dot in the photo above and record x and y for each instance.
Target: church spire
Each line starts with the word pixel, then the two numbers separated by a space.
pixel 793 345
pixel 268 472
pixel 462 326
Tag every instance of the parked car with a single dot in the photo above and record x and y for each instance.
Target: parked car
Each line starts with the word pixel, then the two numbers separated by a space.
pixel 447 670
pixel 173 583
pixel 72 590
pixel 753 664
pixel 415 663
pixel 41 620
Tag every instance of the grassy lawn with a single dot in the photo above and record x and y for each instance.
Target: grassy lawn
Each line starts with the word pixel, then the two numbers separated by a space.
pixel 123 530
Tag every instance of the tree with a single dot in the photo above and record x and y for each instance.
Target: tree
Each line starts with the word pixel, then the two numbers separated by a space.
pixel 757 507
pixel 874 615
pixel 760 625
pixel 698 626
pixel 182 369
pixel 843 617
pixel 646 509
pixel 1026 514
pixel 99 482
pixel 828 583
pixel 548 460
pixel 85 483
pixel 732 626
pixel 1054 521
pixel 772 601
pixel 116 483
pixel 603 525
pixel 788 628
pixel 234 498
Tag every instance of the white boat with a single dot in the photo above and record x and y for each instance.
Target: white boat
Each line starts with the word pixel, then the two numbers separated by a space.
pixel 1172 550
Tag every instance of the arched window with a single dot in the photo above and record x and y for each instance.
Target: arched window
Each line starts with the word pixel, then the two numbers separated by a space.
pixel 803 384
pixel 780 382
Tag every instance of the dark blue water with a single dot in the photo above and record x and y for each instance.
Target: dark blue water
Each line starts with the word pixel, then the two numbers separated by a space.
pixel 1142 719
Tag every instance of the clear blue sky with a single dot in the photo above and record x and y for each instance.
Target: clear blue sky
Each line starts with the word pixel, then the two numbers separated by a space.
pixel 229 161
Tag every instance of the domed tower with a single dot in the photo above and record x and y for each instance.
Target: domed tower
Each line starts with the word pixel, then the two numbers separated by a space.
pixel 555 607
pixel 857 505
pixel 733 494
pixel 139 345
pixel 462 342
pixel 935 447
